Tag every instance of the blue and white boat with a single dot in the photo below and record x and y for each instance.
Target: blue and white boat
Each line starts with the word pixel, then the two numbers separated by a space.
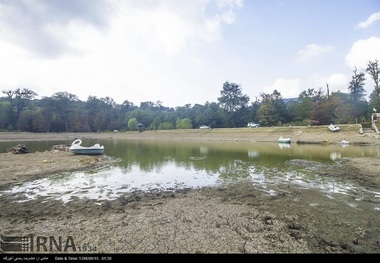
pixel 76 148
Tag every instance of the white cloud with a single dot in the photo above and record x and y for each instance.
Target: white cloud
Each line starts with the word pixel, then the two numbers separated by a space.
pixel 288 88
pixel 291 88
pixel 151 50
pixel 363 51
pixel 370 20
pixel 336 82
pixel 32 24
pixel 136 55
pixel 313 50
pixel 169 25
pixel 230 3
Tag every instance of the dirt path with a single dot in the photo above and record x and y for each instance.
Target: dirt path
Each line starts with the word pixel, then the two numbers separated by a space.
pixel 227 219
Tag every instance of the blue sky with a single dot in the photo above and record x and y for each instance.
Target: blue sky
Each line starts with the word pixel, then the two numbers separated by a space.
pixel 181 52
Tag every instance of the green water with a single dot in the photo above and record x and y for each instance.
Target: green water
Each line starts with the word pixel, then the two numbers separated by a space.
pixel 161 165
pixel 209 155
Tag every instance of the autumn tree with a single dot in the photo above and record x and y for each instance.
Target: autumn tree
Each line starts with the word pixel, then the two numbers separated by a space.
pixel 301 108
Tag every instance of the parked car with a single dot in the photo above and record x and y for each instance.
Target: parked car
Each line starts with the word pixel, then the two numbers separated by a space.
pixel 253 125
pixel 205 127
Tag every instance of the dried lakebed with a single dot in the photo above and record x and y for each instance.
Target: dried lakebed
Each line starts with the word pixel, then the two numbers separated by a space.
pixel 239 217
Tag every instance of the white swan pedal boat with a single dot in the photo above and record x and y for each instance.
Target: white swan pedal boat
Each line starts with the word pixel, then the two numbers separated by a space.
pixel 76 148
pixel 284 140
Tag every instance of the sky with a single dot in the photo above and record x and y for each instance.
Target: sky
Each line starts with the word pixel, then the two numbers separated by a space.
pixel 179 52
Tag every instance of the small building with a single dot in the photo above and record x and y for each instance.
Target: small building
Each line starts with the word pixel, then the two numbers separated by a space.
pixel 140 127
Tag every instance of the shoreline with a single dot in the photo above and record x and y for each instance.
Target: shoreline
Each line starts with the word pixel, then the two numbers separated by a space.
pixel 297 134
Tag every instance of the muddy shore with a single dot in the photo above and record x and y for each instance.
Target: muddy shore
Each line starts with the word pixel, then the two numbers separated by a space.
pixel 226 219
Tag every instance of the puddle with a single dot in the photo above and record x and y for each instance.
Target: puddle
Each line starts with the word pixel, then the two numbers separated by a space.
pixel 109 184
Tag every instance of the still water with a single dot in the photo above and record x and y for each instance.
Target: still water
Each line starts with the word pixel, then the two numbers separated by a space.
pixel 167 165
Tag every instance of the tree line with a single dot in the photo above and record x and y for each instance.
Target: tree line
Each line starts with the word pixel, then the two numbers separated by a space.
pixel 64 112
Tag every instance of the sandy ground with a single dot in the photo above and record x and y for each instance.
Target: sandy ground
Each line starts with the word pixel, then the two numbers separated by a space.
pixel 227 219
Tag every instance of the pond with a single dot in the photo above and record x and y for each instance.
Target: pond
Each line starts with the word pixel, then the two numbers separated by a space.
pixel 167 165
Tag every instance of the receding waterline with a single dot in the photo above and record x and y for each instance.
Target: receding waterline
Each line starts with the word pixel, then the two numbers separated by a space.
pixel 111 183
pixel 168 166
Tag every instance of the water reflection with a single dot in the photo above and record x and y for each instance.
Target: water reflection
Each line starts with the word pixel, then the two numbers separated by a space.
pixel 284 145
pixel 253 154
pixel 165 165
pixel 335 156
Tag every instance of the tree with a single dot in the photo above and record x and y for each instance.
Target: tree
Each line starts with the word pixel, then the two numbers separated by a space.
pixel 232 99
pixel 267 114
pixel 4 116
pixel 47 112
pixel 373 70
pixel 253 109
pixel 127 106
pixel 212 115
pixel 166 125
pixel 341 111
pixel 301 110
pixel 144 117
pixel 110 114
pixel 63 101
pixel 356 86
pixel 280 106
pixel 95 113
pixel 183 124
pixel 133 124
pixel 19 99
pixel 25 122
pixel 357 93
pixel 272 110
pixel 39 122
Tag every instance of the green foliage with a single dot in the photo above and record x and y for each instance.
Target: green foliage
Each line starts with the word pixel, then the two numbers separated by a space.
pixel 356 86
pixel 232 100
pixel 183 124
pixel 266 115
pixel 166 126
pixel 133 124
pixel 156 123
pixel 63 111
pixel 373 70
pixel 272 110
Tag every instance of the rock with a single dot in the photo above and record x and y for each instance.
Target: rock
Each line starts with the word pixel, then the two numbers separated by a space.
pixel 60 147
pixel 19 148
